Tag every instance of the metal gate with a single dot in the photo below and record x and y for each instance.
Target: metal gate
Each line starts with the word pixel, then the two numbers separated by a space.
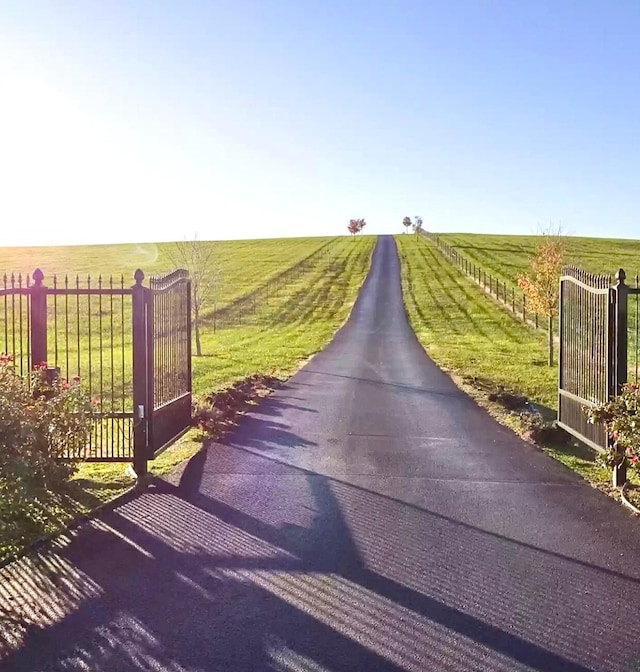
pixel 161 363
pixel 594 349
pixel 587 339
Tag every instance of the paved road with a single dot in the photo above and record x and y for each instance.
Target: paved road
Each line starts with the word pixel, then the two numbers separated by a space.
pixel 368 517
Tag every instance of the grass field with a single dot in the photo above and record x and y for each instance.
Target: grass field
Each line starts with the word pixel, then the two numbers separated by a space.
pixel 505 256
pixel 243 265
pixel 465 332
pixel 472 337
pixel 274 338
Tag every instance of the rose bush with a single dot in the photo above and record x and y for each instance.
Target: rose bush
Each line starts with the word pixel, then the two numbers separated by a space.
pixel 40 417
pixel 621 419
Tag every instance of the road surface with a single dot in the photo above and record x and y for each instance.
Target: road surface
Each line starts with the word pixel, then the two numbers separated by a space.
pixel 368 517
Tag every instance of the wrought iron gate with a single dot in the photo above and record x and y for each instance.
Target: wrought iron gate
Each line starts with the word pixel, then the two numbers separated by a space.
pixel 593 347
pixel 587 340
pixel 162 363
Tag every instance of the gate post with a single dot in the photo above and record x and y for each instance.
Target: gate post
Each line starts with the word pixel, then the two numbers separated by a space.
pixel 38 320
pixel 140 401
pixel 621 291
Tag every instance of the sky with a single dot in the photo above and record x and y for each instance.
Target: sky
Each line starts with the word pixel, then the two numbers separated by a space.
pixel 156 120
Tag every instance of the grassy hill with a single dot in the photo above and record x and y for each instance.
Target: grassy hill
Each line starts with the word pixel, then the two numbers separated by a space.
pixel 243 264
pixel 504 256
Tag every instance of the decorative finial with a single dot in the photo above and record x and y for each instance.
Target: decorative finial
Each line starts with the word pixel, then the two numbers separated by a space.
pixel 620 276
pixel 139 276
pixel 38 276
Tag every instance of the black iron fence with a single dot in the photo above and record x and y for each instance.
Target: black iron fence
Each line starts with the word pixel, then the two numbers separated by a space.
pixel 511 297
pixel 99 331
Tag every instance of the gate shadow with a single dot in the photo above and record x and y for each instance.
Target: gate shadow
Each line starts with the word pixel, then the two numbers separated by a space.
pixel 215 574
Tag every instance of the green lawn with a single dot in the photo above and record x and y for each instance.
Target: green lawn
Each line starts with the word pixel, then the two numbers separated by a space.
pixel 472 337
pixel 243 265
pixel 302 312
pixel 465 332
pixel 505 256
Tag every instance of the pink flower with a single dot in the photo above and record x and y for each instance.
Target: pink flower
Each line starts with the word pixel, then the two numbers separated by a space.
pixel 634 459
pixel 95 401
pixel 76 379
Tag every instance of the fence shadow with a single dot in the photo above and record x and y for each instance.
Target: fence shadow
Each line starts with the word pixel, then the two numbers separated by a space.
pixel 310 573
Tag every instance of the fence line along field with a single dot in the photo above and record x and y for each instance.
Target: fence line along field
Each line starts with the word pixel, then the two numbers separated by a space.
pixel 465 332
pixel 505 256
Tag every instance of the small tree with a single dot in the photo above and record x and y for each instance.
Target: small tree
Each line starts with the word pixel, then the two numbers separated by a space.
pixel 356 225
pixel 406 222
pixel 541 285
pixel 199 259
pixel 417 224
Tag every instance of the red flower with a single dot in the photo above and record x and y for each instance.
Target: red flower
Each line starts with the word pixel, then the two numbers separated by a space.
pixel 634 459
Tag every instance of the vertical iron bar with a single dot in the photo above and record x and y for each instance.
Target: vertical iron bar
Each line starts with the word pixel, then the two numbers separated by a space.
pixel 13 317
pixel 100 345
pixel 622 293
pixel 90 337
pixel 66 323
pixel 78 321
pixel 38 319
pixel 140 388
pixel 637 331
pixel 6 314
pixel 150 338
pixel 20 339
pixel 55 321
pixel 29 360
pixel 112 363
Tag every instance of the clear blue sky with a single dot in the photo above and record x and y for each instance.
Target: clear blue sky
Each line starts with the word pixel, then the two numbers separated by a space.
pixel 154 120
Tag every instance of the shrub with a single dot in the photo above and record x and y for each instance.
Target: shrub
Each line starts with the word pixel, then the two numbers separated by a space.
pixel 542 431
pixel 621 419
pixel 39 418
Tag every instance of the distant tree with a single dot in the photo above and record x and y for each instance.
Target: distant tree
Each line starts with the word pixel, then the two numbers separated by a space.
pixel 417 224
pixel 406 222
pixel 356 225
pixel 541 284
pixel 198 258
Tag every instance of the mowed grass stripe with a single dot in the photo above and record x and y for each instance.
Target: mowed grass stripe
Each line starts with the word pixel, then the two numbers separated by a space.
pixel 244 265
pixel 468 334
pixel 294 325
pixel 506 256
